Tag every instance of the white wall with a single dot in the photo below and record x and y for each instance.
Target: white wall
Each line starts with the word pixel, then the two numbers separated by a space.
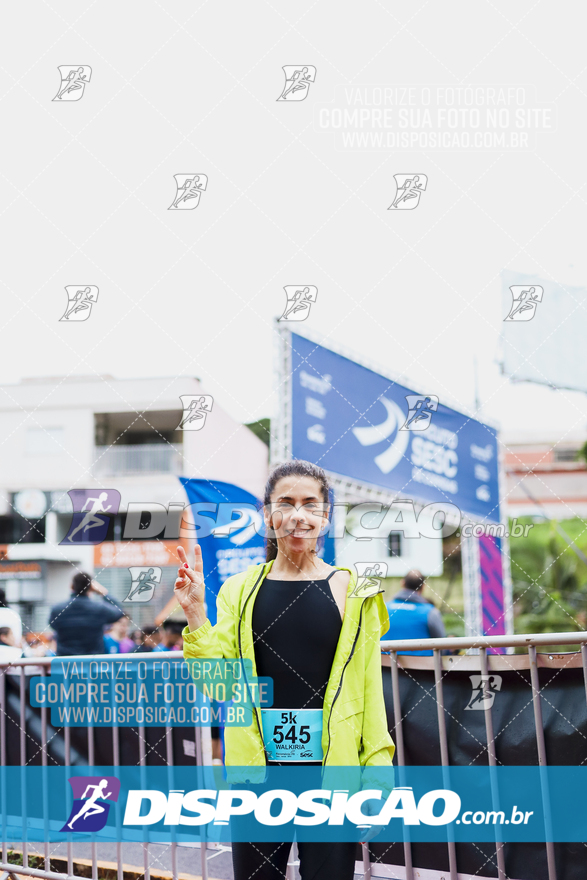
pixel 367 544
pixel 424 554
pixel 67 464
pixel 225 450
pixel 222 450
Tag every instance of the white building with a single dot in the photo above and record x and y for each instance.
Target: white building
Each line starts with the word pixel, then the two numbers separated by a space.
pixel 102 433
pixel 544 476
pixel 367 538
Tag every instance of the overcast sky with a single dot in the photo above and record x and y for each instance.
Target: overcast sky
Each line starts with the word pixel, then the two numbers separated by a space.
pixel 87 185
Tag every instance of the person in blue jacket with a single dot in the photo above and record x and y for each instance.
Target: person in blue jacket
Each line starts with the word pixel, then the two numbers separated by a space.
pixel 411 616
pixel 79 622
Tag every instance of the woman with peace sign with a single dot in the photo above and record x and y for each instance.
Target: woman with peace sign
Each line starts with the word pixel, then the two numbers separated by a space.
pixel 303 623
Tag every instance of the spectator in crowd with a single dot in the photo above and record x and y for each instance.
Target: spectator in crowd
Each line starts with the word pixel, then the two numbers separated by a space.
pixel 10 618
pixel 172 636
pixel 110 643
pixel 9 650
pixel 7 637
pixel 36 645
pixel 79 622
pixel 116 638
pixel 411 616
pixel 149 638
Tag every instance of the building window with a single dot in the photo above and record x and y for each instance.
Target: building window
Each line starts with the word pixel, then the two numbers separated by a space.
pixel 18 530
pixel 564 454
pixel 394 543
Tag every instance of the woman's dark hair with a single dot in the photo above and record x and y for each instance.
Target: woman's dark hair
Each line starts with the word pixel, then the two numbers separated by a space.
pixel 296 468
pixel 80 583
pixel 3 602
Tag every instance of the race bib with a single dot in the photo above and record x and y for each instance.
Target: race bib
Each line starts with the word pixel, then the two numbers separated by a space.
pixel 292 734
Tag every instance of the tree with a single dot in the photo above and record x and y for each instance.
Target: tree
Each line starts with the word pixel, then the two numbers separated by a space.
pixel 549 583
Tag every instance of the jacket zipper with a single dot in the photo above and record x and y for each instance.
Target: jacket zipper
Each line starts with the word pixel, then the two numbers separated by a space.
pixel 243 662
pixel 341 677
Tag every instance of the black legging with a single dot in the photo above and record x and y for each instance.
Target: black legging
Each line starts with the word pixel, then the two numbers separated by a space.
pixel 318 861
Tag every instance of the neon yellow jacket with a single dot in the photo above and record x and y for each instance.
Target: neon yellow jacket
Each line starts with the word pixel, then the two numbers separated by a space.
pixel 354 728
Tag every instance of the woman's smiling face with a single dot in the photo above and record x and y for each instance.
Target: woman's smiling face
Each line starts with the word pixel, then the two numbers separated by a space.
pixel 297 512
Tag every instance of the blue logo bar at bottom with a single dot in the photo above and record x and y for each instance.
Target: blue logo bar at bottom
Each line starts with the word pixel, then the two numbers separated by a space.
pixel 158 804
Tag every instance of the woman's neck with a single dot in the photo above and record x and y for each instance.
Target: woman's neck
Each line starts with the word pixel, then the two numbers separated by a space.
pixel 297 567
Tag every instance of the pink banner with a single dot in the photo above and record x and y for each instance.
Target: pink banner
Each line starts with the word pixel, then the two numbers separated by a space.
pixel 492 589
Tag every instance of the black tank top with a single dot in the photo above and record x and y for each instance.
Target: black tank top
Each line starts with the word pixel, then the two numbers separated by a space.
pixel 296 626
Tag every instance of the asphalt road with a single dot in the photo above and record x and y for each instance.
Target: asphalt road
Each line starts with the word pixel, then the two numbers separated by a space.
pixel 188 858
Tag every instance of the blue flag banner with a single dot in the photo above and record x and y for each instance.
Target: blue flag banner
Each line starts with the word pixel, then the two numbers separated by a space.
pixel 229 529
pixel 326 544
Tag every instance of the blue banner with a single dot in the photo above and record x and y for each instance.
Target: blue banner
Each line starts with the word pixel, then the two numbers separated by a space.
pixel 356 423
pixel 160 804
pixel 226 549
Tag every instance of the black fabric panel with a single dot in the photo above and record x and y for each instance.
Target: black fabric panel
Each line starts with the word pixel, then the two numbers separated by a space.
pixel 564 712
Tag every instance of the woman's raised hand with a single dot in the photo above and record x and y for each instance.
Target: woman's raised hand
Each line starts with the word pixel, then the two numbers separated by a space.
pixel 189 588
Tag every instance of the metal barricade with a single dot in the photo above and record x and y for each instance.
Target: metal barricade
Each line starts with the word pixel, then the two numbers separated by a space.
pixel 19 670
pixel 442 665
pixel 11 706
